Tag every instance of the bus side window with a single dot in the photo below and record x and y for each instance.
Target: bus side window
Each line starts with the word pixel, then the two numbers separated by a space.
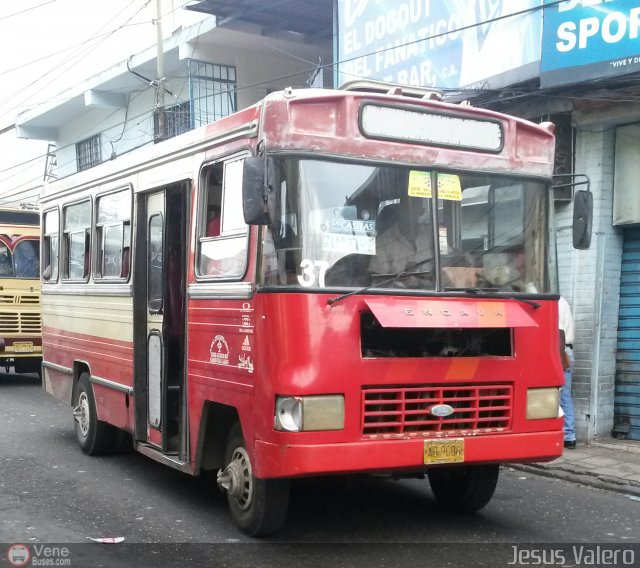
pixel 113 235
pixel 87 255
pixel 50 248
pixel 222 247
pixel 77 241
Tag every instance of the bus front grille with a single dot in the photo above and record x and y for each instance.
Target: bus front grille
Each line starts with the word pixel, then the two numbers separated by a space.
pixel 390 411
pixel 13 322
pixel 31 299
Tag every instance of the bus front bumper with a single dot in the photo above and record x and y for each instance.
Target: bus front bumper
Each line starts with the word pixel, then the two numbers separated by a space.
pixel 398 455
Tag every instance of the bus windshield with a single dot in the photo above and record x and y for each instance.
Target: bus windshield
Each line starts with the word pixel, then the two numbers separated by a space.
pixel 348 225
pixel 20 259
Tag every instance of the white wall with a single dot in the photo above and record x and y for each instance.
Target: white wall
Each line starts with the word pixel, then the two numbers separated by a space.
pixel 262 65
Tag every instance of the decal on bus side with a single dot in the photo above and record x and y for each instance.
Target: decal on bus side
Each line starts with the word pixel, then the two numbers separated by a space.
pixel 219 351
pixel 244 362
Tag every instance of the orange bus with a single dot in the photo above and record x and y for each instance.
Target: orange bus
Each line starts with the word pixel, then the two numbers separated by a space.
pixel 325 283
pixel 20 333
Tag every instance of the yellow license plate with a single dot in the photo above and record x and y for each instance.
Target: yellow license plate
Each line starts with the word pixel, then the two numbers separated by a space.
pixel 444 451
pixel 23 347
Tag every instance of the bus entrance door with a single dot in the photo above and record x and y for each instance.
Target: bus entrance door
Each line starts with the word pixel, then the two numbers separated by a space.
pixel 161 327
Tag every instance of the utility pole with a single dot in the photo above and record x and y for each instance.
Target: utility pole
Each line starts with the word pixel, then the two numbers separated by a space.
pixel 160 73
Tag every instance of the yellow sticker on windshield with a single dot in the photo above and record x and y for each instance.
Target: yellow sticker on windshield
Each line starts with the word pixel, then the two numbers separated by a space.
pixel 448 186
pixel 419 184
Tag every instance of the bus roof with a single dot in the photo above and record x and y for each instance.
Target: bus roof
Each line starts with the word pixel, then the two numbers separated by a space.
pixel 315 121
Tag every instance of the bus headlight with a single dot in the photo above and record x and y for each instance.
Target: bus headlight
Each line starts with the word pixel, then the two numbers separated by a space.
pixel 309 413
pixel 543 403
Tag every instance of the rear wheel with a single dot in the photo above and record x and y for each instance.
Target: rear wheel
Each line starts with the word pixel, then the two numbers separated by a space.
pixel 258 506
pixel 464 489
pixel 95 437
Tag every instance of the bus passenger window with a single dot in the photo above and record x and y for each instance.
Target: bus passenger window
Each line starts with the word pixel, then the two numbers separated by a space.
pixel 50 247
pixel 222 247
pixel 113 234
pixel 77 241
pixel 223 257
pixel 155 285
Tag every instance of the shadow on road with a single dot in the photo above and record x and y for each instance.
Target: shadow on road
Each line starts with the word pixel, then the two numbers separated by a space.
pixel 14 379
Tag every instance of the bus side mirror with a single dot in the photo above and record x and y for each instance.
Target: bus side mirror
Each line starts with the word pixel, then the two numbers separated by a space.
pixel 582 206
pixel 256 192
pixel 582 216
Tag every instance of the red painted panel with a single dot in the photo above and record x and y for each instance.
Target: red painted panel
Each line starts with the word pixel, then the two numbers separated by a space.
pixel 293 459
pixel 466 313
pixel 111 407
pixel 299 345
pixel 107 358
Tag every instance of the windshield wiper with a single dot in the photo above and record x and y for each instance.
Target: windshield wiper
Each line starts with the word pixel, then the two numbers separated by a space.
pixel 391 278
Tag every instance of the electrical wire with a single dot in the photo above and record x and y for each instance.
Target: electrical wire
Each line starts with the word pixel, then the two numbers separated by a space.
pixel 82 43
pixel 64 66
pixel 513 94
pixel 74 46
pixel 26 10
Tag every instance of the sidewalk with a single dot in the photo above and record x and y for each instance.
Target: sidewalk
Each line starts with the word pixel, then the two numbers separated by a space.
pixel 606 464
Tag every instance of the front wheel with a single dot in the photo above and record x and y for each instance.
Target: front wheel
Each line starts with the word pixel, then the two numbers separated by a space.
pixel 95 437
pixel 258 506
pixel 464 489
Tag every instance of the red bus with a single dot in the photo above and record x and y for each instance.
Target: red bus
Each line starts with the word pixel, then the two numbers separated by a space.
pixel 325 283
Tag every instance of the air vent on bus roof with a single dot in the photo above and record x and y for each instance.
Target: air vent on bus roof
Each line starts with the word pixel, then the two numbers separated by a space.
pixel 369 86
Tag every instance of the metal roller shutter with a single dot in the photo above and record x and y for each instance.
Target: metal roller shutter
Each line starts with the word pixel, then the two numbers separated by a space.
pixel 627 395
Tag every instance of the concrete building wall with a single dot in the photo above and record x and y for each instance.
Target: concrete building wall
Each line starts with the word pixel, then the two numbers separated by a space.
pixel 262 66
pixel 590 280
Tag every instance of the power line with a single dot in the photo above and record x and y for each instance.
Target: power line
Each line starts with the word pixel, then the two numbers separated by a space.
pixel 74 59
pixel 515 94
pixel 50 55
pixel 26 10
pixel 82 43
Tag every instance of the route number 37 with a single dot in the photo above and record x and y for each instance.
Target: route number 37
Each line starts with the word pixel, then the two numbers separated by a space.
pixel 312 271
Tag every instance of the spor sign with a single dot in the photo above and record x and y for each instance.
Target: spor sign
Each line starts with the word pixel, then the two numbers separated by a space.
pixel 589 39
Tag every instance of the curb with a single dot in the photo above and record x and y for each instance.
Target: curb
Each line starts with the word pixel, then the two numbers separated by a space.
pixel 579 476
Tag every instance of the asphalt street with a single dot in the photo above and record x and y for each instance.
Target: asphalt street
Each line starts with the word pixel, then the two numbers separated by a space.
pixel 50 492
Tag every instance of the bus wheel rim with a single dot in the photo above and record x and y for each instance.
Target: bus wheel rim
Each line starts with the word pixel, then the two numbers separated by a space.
pixel 81 414
pixel 241 487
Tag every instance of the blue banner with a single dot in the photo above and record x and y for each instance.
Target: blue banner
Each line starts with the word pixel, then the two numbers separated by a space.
pixel 589 39
pixel 439 43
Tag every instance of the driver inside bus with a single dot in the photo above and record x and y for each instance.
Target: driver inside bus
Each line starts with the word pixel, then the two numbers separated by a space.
pixel 404 241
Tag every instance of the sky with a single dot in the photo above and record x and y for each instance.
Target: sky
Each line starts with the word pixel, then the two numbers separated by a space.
pixel 48 46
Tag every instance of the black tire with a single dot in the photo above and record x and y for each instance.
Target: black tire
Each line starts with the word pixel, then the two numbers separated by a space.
pixel 95 437
pixel 464 489
pixel 258 506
